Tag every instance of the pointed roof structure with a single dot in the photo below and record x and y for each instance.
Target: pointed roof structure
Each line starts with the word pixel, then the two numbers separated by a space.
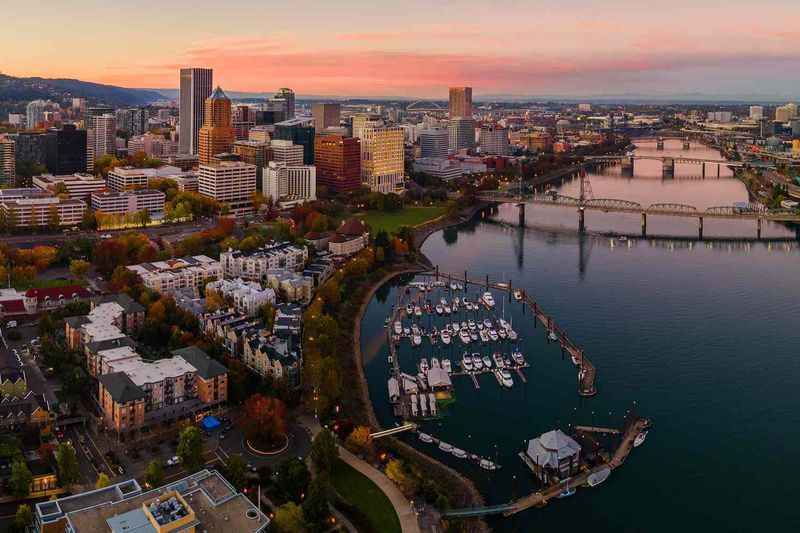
pixel 551 447
pixel 219 94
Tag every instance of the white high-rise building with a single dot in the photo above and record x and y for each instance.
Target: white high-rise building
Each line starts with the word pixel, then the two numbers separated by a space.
pixel 756 112
pixel 231 182
pixel 8 163
pixel 383 159
pixel 105 135
pixel 786 112
pixel 284 151
pixel 34 113
pixel 196 86
pixel 290 185
pixel 494 140
pixel 434 142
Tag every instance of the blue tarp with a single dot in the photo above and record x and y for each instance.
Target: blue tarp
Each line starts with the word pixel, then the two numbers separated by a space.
pixel 210 423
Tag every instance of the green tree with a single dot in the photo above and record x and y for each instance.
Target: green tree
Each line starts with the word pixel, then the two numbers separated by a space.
pixel 144 217
pixel 79 268
pixel 154 475
pixel 88 222
pixel 236 470
pixel 289 519
pixel 102 481
pixel 67 464
pixel 190 449
pixel 23 517
pixel 292 478
pixel 315 506
pixel 324 452
pixel 267 314
pixel 21 478
pixel 53 219
pixel 46 325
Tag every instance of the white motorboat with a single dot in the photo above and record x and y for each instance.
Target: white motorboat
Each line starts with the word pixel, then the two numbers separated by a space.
pixel 458 452
pixel 512 335
pixel 484 335
pixel 466 363
pixel 595 478
pixel 488 299
pixel 498 360
pixel 439 309
pixel 455 327
pixel 468 305
pixel 423 365
pixel 517 357
pixel 493 335
pixel 464 324
pixel 445 335
pixel 424 437
pixel 386 322
pixel 574 360
pixel 518 295
pixel 455 307
pixel 435 363
pixel 503 324
pixel 508 381
pixel 552 336
pixel 417 311
pixel 447 366
pixel 416 339
pixel 398 327
pixel 487 323
pixel 414 409
pixel 445 447
pixel 448 309
pixel 464 336
pixel 453 286
pixel 639 440
pixel 443 301
pixel 409 310
pixel 471 325
pixel 486 464
pixel 487 361
pixel 477 362
pixel 502 333
pixel 406 331
pixel 473 336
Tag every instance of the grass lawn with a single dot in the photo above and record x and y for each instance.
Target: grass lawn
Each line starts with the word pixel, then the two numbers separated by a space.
pixel 393 221
pixel 362 493
pixel 40 283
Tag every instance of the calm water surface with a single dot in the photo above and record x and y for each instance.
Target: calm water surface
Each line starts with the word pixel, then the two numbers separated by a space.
pixel 702 336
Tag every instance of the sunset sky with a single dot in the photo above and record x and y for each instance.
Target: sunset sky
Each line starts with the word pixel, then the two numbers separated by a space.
pixel 416 47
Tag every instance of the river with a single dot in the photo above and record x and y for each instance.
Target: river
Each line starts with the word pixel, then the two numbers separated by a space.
pixel 701 335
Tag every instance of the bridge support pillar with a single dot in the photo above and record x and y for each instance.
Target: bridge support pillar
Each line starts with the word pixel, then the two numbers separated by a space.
pixel 627 166
pixel 668 167
pixel 718 165
pixel 703 166
pixel 758 228
pixel 581 220
pixel 700 229
pixel 521 210
pixel 644 224
pixel 660 143
pixel 686 144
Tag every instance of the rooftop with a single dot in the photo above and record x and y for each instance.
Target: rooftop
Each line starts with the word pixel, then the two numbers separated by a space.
pixel 206 366
pixel 121 387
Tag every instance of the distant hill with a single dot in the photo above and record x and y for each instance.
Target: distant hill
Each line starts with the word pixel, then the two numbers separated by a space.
pixel 13 90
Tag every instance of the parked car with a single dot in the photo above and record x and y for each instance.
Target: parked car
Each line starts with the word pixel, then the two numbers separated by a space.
pixel 174 460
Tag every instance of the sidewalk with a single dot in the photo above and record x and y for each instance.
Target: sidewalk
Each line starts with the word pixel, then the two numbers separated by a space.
pixel 408 520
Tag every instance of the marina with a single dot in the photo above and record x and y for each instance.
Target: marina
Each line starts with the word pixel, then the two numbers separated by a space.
pixel 445 447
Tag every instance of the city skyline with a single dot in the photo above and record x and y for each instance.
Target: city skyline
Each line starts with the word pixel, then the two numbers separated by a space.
pixel 512 47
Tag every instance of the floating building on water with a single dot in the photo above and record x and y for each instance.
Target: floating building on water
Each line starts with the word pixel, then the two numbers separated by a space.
pixel 553 456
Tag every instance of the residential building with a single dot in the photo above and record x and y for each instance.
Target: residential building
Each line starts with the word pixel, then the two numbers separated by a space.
pixel 195 87
pixel 216 136
pixel 105 135
pixel 34 113
pixel 122 203
pixel 127 178
pixel 203 501
pixel 351 237
pixel 494 140
pixel 383 159
pixel 43 210
pixel 254 265
pixel 94 112
pixel 186 272
pixel 248 296
pixel 153 145
pixel 211 377
pixel 299 131
pixel 231 182
pixel 460 102
pixel 289 186
pixel 438 167
pixel 462 134
pixel 253 153
pixel 272 356
pixel 292 287
pixel 434 142
pixel 231 328
pixel 286 96
pixel 78 186
pixel 786 112
pixel 8 163
pixel 284 151
pixel 133 121
pixel 338 162
pixel 130 315
pixel 326 115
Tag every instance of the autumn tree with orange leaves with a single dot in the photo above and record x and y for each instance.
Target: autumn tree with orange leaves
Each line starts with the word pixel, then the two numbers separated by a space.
pixel 264 420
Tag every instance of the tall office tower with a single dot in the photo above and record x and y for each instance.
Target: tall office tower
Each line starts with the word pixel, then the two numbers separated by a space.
pixel 243 118
pixel 105 135
pixel 299 131
pixel 216 136
pixel 363 120
pixel 8 162
pixel 434 142
pixel 94 112
pixel 34 113
pixel 786 112
pixel 494 140
pixel 133 121
pixel 290 185
pixel 462 134
pixel 460 102
pixel 90 142
pixel 71 149
pixel 287 95
pixel 195 88
pixel 284 151
pixel 382 159
pixel 36 147
pixel 326 115
pixel 756 112
pixel 338 161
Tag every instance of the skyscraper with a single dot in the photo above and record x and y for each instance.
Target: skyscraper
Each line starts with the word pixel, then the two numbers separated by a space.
pixel 494 140
pixel 105 135
pixel 383 159
pixel 326 115
pixel 71 145
pixel 462 133
pixel 434 142
pixel 338 161
pixel 299 131
pixel 362 121
pixel 34 113
pixel 287 95
pixel 94 112
pixel 460 102
pixel 216 136
pixel 195 88
pixel 7 161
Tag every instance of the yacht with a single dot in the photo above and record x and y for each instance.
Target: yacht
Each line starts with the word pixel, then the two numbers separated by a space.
pixel 417 311
pixel 552 336
pixel 484 335
pixel 445 335
pixel 493 335
pixel 443 301
pixel 466 363
pixel 512 334
pixel 468 305
pixel 464 336
pixel 423 365
pixel 487 361
pixel 471 325
pixel 424 437
pixel 447 366
pixel 485 464
pixel 517 357
pixel 453 286
pixel 398 327
pixel 464 324
pixel 477 362
pixel 473 336
pixel 416 339
pixel 409 310
pixel 508 382
pixel 445 447
pixel 595 478
pixel 414 411
pixel 457 301
pixel 487 323
pixel 439 309
pixel 455 305
pixel 503 324
pixel 518 295
pixel 455 327
pixel 488 299
pixel 639 440
pixel 448 309
pixel 502 333
pixel 458 452
pixel 498 360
